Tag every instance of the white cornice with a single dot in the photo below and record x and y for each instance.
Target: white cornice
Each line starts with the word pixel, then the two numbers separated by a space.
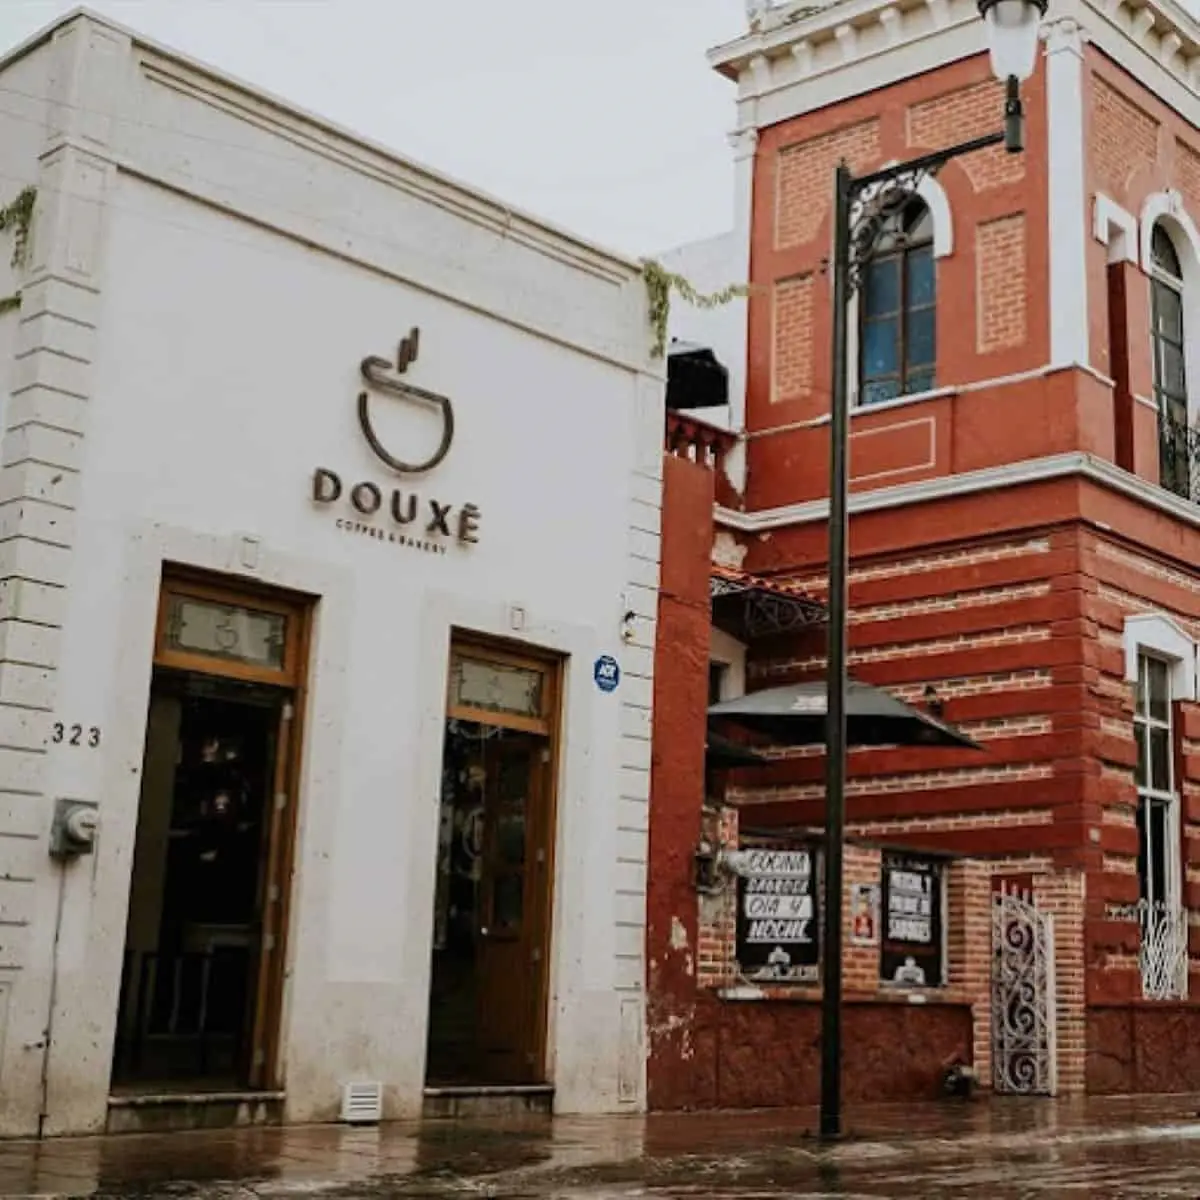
pixel 949 487
pixel 354 148
pixel 802 57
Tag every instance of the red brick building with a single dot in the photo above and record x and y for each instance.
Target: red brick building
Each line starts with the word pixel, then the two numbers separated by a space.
pixel 1025 526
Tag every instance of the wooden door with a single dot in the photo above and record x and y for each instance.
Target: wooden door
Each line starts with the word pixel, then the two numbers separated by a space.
pixel 514 909
pixel 273 887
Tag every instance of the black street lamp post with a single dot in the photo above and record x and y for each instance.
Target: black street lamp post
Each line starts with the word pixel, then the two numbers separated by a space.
pixel 862 205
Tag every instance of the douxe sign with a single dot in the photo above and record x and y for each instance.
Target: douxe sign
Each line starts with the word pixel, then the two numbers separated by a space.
pixel 394 514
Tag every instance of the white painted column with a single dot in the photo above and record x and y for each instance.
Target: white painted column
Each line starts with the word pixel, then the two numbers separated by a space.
pixel 744 143
pixel 1067 194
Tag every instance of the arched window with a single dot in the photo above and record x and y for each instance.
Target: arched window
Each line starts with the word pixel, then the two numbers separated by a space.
pixel 898 309
pixel 1170 372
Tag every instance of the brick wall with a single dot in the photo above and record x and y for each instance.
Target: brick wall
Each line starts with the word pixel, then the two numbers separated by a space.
pixel 995 628
pixel 987 282
pixel 1001 283
pixel 968 937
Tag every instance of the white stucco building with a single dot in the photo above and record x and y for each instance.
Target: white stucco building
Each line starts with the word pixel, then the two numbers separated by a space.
pixel 353 733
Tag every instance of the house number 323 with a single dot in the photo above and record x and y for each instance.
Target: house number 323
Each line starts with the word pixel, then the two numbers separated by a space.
pixel 75 735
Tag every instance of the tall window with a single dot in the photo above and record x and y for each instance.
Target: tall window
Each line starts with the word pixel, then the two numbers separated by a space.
pixel 1170 377
pixel 898 307
pixel 1157 814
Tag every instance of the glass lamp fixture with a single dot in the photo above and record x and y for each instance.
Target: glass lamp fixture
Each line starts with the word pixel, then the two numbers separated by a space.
pixel 1012 34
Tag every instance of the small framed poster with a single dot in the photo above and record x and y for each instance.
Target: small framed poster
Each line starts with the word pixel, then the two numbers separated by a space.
pixel 864 914
pixel 913 895
pixel 778 939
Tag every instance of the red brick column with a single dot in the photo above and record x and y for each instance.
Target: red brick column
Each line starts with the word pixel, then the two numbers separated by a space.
pixel 860 964
pixel 969 907
pixel 1063 896
pixel 677 782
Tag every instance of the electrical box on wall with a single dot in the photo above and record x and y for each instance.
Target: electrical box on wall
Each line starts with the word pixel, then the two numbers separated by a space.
pixel 73 831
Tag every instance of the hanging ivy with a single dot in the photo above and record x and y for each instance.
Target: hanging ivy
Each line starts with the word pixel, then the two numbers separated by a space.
pixel 660 283
pixel 17 216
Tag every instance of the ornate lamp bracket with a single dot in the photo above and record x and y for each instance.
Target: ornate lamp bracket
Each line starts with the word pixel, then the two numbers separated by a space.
pixel 872 205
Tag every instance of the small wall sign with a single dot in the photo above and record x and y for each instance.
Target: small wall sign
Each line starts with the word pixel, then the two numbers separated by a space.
pixel 607 673
pixel 864 914
pixel 913 903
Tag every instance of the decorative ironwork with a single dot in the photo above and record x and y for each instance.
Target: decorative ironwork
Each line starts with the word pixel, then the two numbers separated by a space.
pixel 1179 458
pixel 873 206
pixel 746 609
pixel 1163 954
pixel 1023 1016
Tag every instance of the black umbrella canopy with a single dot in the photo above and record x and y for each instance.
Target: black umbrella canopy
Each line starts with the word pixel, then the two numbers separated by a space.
pixel 795 716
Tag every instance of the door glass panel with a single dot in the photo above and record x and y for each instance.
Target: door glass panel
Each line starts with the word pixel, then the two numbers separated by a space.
pixel 225 631
pixel 510 838
pixel 496 687
pixel 508 901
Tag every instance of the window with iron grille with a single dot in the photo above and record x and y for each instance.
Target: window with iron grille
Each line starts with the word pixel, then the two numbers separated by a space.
pixel 1170 372
pixel 898 309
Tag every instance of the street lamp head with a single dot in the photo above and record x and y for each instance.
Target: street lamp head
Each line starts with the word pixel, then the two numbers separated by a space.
pixel 1012 32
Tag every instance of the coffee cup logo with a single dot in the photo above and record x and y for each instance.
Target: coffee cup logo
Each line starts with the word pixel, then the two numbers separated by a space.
pixel 385 377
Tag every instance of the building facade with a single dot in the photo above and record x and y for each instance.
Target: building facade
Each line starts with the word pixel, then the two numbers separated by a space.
pixel 328 641
pixel 1025 536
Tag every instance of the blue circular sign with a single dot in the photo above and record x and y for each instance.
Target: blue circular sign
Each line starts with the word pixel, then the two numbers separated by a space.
pixel 607 673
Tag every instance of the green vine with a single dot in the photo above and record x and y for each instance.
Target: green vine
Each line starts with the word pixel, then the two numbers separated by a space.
pixel 17 215
pixel 660 283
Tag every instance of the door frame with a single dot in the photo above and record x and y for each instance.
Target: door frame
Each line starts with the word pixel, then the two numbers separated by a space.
pixel 548 724
pixel 292 680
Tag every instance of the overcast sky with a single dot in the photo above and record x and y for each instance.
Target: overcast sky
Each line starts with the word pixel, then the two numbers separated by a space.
pixel 603 117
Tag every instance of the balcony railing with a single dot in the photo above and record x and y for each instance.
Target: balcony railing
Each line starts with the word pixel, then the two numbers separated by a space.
pixel 1179 458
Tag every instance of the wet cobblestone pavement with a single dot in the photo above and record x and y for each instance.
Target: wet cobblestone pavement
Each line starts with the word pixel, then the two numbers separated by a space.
pixel 998 1150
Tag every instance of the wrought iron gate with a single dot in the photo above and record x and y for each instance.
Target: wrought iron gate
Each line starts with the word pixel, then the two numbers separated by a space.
pixel 1023 1007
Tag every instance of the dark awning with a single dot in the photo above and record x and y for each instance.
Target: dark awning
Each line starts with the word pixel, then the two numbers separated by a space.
pixel 721 751
pixel 795 716
pixel 695 377
pixel 746 607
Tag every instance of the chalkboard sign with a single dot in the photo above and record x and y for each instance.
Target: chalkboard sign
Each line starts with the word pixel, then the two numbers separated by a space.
pixel 777 920
pixel 913 951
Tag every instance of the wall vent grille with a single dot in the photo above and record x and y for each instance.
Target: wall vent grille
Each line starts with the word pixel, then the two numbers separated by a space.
pixel 362 1103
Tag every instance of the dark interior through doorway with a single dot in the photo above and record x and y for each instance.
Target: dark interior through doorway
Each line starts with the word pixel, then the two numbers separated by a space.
pixel 195 939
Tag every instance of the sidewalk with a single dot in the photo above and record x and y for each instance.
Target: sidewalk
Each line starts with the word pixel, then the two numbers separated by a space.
pixel 992 1149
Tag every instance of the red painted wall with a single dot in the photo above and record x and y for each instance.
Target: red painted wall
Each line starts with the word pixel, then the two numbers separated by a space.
pixel 677 779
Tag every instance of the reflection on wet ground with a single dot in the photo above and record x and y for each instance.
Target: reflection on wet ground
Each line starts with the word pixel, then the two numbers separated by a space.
pixel 999 1150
